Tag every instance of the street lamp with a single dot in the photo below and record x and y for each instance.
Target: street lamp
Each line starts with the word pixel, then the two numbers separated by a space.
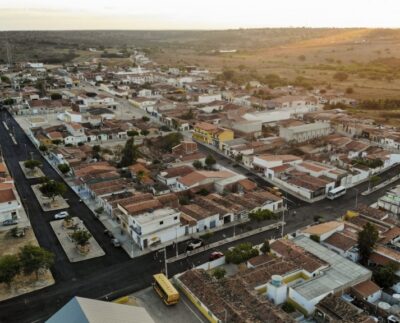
pixel 356 196
pixel 165 260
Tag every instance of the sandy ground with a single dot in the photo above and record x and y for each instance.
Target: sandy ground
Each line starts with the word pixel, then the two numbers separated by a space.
pixel 22 284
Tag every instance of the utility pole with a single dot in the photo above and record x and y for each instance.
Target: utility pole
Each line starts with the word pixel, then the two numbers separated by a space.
pixel 165 262
pixel 283 220
pixel 356 197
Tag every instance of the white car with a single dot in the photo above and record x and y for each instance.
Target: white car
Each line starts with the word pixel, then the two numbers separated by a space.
pixel 61 215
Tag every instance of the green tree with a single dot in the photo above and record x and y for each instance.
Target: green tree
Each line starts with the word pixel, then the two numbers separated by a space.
pixel 169 141
pixel 145 119
pixel 241 253
pixel 373 180
pixel 130 153
pixel 197 164
pixel 56 96
pixel 132 133
pixel 315 238
pixel 81 237
pixel 219 273
pixel 288 307
pixel 52 188
pixel 34 258
pixel 262 215
pixel 385 276
pixel 64 168
pixel 31 164
pixel 210 161
pixel 367 239
pixel 56 141
pixel 144 132
pixel 265 248
pixel 9 268
pixel 43 148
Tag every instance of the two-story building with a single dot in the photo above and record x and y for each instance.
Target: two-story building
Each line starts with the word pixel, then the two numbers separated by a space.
pixel 212 134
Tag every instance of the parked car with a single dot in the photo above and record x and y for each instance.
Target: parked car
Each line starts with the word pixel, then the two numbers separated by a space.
pixel 61 215
pixel 116 243
pixel 109 233
pixel 215 255
pixel 194 244
pixel 393 319
pixel 10 222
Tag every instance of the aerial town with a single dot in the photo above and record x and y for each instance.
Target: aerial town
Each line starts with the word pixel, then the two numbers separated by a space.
pixel 237 203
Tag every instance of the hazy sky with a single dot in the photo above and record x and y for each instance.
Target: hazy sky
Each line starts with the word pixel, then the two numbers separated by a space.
pixel 199 14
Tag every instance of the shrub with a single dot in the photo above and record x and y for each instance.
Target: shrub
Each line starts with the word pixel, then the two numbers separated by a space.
pixel 265 248
pixel 261 215
pixel 288 307
pixel 219 273
pixel 241 253
pixel 197 164
pixel 341 76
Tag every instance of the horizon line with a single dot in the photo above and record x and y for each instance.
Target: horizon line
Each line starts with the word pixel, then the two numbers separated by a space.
pixel 199 29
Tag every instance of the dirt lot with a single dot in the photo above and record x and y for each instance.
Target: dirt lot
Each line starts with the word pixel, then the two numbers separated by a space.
pixel 22 284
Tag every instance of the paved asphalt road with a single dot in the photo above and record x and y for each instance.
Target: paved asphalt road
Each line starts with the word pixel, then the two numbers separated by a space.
pixel 114 274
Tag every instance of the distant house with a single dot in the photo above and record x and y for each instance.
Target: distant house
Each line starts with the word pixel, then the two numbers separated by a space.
pixel 9 205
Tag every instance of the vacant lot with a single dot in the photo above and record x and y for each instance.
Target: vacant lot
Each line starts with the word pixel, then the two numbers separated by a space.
pixel 22 284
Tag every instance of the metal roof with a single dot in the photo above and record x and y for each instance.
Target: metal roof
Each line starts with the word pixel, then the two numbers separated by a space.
pixel 341 273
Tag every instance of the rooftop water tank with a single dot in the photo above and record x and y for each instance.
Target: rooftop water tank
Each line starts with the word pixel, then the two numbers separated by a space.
pixel 396 297
pixel 276 280
pixel 384 306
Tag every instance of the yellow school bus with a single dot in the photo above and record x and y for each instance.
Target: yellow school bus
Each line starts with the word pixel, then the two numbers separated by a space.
pixel 165 289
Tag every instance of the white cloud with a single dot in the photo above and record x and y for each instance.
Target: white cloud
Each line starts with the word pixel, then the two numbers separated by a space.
pixel 205 14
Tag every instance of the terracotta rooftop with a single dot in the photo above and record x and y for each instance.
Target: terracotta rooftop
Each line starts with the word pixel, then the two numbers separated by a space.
pixel 198 176
pixel 143 206
pixel 366 288
pixel 231 299
pixel 7 195
pixel 303 259
pixel 176 171
pixel 284 158
pixel 390 235
pixel 341 241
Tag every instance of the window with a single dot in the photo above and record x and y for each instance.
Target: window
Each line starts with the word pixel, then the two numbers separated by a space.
pixel 161 222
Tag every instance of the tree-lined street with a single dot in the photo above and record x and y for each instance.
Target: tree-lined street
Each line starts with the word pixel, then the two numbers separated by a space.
pixel 115 274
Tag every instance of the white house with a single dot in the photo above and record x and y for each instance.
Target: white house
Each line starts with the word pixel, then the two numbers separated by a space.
pixel 208 98
pixel 268 162
pixel 9 205
pixel 155 227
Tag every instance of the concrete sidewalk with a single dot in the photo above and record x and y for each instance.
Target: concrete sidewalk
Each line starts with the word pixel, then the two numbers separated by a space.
pixel 382 185
pixel 225 241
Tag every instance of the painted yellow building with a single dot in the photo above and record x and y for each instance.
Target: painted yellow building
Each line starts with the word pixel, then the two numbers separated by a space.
pixel 212 134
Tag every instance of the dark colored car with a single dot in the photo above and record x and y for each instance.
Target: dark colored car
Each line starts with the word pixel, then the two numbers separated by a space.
pixel 10 222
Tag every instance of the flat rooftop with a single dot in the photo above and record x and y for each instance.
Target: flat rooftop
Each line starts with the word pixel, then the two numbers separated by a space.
pixel 341 273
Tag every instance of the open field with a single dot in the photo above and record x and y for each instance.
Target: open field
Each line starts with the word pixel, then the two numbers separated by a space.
pixel 312 56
